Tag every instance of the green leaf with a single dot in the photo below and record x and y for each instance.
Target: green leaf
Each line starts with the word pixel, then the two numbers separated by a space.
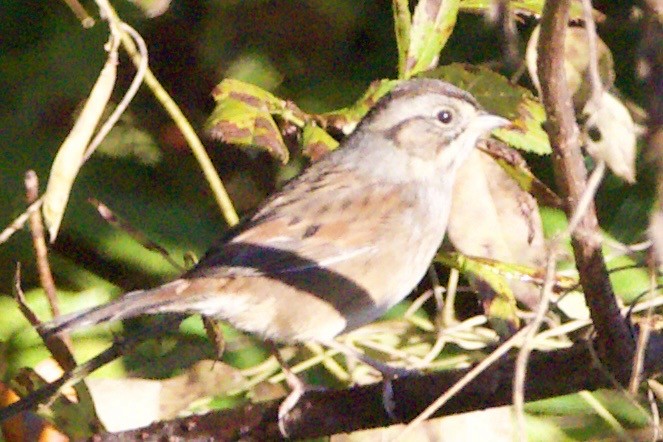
pixel 432 25
pixel 527 131
pixel 515 272
pixel 499 96
pixel 243 116
pixel 347 118
pixel 523 7
pixel 316 142
pixel 236 122
pixel 247 93
pixel 497 297
pixel 402 28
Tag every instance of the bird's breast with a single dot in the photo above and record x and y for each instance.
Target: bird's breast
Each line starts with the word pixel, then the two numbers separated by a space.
pixel 403 245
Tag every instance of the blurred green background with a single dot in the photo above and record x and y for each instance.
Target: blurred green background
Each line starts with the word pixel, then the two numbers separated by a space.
pixel 320 54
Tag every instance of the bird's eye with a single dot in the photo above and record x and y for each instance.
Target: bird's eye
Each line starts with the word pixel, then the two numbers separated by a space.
pixel 445 116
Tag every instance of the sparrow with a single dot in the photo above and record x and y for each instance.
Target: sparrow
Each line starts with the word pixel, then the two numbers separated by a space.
pixel 341 243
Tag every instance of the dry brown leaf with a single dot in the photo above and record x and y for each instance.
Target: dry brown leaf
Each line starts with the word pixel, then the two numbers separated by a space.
pixel 576 63
pixel 493 424
pixel 69 158
pixel 492 217
pixel 610 135
pixel 123 404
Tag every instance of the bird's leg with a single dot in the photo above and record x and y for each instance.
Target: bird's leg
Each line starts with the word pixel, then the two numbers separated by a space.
pixel 215 335
pixel 297 388
pixel 388 372
pixel 293 381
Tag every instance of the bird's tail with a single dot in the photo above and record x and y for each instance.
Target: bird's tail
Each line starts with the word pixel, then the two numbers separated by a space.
pixel 130 305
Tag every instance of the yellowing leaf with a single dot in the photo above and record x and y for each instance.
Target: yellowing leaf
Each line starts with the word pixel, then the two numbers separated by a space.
pixel 247 93
pixel 316 142
pixel 402 29
pixel 69 158
pixel 347 118
pixel 235 121
pixel 576 63
pixel 243 116
pixel 610 135
pixel 525 7
pixel 526 132
pixel 519 272
pixel 432 24
pixel 497 298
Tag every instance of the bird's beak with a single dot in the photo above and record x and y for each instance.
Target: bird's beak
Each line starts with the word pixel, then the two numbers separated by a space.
pixel 489 122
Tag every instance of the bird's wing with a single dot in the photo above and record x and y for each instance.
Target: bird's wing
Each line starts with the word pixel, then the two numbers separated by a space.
pixel 318 220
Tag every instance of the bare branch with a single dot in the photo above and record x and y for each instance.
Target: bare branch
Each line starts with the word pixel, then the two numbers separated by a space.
pixel 614 338
pixel 325 412
pixel 39 243
pixel 20 221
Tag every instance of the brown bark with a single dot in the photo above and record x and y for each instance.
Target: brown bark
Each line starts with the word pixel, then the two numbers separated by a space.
pixel 615 343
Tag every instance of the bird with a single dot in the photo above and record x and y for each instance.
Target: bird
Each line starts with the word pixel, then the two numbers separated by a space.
pixel 341 243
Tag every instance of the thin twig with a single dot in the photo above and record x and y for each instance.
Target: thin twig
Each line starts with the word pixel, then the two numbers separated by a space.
pixel 417 303
pixel 528 344
pixel 57 345
pixel 111 218
pixel 445 335
pixel 643 336
pixel 628 249
pixel 593 67
pixel 20 298
pixel 586 200
pixel 640 352
pixel 79 11
pixel 329 362
pixel 579 193
pixel 607 417
pixel 218 189
pixel 129 95
pixel 39 243
pixel 466 379
pixel 20 221
pixel 437 288
pixel 655 415
pixel 505 21
pixel 614 382
pixel 76 374
pixel 448 310
pixel 546 296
